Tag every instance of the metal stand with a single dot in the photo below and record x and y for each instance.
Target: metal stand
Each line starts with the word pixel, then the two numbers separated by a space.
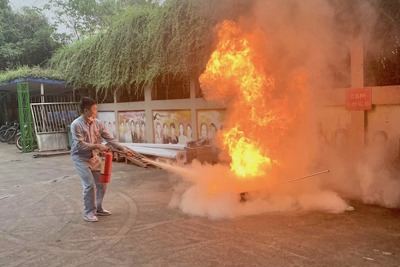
pixel 25 117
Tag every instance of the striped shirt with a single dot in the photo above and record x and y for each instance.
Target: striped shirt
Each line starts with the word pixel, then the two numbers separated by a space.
pixel 83 134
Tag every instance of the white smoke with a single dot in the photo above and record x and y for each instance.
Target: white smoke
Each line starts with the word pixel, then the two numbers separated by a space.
pixel 377 176
pixel 211 191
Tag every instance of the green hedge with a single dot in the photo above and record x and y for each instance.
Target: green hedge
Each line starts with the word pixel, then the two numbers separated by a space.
pixel 144 44
pixel 30 72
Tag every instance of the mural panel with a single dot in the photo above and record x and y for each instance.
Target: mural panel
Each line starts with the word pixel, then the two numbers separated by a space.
pixel 172 127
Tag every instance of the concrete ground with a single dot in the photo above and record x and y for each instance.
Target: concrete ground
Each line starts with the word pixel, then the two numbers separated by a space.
pixel 41 224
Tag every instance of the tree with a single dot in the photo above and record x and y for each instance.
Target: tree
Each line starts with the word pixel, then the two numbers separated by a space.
pixel 4 5
pixel 26 38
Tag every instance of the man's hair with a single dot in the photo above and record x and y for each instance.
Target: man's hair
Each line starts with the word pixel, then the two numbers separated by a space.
pixel 86 103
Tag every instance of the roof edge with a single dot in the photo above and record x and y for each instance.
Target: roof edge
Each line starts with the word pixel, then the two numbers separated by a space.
pixel 36 80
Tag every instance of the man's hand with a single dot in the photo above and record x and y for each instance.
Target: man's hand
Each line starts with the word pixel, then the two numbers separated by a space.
pixel 129 153
pixel 101 147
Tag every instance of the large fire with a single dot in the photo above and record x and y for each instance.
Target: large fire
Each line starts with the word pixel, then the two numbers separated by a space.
pixel 234 76
pixel 270 82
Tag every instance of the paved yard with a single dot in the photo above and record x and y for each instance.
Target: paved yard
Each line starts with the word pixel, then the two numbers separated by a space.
pixel 41 224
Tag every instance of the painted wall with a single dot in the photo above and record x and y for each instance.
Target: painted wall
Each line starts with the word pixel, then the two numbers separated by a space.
pixel 384 115
pixel 150 107
pixel 332 118
pixel 385 118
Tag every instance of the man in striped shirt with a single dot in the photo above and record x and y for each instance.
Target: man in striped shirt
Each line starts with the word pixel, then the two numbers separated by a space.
pixel 87 136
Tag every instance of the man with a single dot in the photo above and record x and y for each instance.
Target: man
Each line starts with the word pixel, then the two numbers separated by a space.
pixel 158 137
pixel 165 134
pixel 87 135
pixel 143 132
pixel 173 139
pixel 203 132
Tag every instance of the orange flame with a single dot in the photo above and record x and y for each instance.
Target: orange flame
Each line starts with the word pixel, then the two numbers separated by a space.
pixel 231 75
pixel 247 160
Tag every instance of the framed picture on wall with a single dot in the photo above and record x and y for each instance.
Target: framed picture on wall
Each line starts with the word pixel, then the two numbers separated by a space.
pixel 209 122
pixel 132 126
pixel 108 118
pixel 172 126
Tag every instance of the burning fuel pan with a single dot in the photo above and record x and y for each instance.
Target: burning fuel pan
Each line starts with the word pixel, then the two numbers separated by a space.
pixel 243 197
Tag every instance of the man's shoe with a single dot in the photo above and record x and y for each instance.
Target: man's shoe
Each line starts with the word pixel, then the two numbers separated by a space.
pixel 103 212
pixel 91 218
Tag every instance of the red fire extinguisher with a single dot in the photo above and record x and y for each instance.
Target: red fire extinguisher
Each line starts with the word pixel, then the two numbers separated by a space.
pixel 105 169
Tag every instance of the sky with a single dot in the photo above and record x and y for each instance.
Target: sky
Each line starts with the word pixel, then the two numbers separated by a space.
pixel 18 4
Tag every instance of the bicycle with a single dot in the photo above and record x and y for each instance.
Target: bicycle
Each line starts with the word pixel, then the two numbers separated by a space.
pixel 9 133
pixel 6 125
pixel 3 129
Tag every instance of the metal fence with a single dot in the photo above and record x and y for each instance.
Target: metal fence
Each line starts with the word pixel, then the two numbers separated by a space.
pixel 53 98
pixel 53 117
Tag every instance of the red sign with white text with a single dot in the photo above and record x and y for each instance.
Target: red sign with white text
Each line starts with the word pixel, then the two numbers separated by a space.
pixel 358 99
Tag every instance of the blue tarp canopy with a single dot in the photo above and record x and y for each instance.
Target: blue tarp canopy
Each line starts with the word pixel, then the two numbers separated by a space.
pixel 51 87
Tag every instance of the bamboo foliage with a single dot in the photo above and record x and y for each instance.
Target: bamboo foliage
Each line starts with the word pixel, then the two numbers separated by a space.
pixel 143 44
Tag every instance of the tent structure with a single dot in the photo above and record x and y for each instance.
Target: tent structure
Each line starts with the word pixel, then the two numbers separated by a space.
pixel 49 99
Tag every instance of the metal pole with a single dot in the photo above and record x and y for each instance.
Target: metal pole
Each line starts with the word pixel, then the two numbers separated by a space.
pixel 303 177
pixel 41 93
